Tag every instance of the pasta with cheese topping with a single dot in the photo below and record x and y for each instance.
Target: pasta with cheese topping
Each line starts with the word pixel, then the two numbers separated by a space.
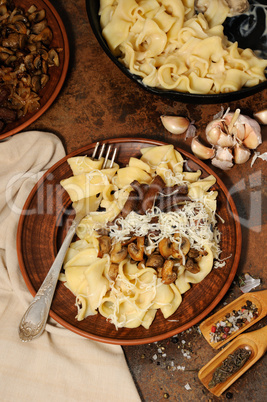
pixel 128 291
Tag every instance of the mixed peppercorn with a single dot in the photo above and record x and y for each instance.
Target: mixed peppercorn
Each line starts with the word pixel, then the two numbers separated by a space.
pixel 233 322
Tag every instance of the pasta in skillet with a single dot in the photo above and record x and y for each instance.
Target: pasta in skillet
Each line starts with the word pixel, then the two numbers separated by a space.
pixel 170 47
pixel 135 256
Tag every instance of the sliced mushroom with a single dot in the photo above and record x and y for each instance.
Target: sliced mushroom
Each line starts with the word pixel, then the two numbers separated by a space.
pixel 168 276
pixel 11 41
pixel 165 248
pixel 28 61
pixel 45 36
pixel 155 260
pixel 37 62
pixel 19 27
pixel 118 253
pixel 130 205
pixel 104 245
pixel 113 271
pixel 192 266
pixel 53 59
pixel 37 16
pixel 39 27
pixel 196 254
pixel 36 83
pixel 136 250
pixel 150 196
pixel 180 250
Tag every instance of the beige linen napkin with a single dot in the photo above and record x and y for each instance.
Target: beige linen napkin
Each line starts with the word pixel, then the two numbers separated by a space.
pixel 59 365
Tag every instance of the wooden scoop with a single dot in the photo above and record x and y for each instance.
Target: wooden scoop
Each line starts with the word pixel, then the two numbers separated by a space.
pixel 257 298
pixel 255 341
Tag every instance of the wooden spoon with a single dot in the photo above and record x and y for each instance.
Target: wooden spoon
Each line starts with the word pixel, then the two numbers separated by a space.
pixel 257 298
pixel 255 341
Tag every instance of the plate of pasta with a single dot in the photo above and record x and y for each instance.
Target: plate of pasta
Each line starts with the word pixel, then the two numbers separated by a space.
pixel 157 248
pixel 179 49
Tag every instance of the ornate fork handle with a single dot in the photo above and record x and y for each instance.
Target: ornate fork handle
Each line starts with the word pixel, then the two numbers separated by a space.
pixel 34 319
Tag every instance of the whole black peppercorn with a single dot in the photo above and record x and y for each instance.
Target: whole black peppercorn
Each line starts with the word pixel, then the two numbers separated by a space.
pixel 229 395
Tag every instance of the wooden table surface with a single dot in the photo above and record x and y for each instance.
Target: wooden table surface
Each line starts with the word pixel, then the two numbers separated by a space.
pixel 97 101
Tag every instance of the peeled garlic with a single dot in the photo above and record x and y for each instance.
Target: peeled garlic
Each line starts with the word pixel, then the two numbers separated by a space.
pixel 261 116
pixel 200 150
pixel 175 124
pixel 241 154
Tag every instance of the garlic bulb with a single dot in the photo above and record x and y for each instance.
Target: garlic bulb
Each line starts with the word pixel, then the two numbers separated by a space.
pixel 200 150
pixel 175 124
pixel 237 132
pixel 261 116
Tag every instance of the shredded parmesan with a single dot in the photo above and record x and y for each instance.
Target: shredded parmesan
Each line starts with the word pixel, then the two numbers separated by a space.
pixel 193 221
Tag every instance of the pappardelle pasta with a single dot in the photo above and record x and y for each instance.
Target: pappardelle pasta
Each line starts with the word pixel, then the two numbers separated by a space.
pixel 171 47
pixel 149 231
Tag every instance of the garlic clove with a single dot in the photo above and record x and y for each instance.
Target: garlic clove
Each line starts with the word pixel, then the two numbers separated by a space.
pixel 239 132
pixel 175 124
pixel 213 133
pixel 226 140
pixel 224 154
pixel 252 138
pixel 200 150
pixel 252 132
pixel 223 158
pixel 261 116
pixel 224 165
pixel 241 154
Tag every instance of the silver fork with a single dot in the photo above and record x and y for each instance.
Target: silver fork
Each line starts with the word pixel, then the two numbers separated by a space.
pixel 35 317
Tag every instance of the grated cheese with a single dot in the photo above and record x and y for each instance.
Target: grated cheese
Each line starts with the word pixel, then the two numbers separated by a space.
pixel 194 221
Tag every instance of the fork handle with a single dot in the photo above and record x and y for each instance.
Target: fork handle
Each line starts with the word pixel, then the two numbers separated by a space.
pixel 34 319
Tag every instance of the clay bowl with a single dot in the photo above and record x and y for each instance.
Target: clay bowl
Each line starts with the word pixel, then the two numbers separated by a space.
pixel 255 39
pixel 43 224
pixel 57 74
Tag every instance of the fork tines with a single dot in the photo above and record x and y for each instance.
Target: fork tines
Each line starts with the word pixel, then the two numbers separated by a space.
pixel 107 154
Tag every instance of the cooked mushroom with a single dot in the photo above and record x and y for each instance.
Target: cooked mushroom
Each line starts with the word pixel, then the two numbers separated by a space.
pixel 165 248
pixel 168 276
pixel 45 36
pixel 136 250
pixel 118 253
pixel 37 16
pixel 104 243
pixel 36 83
pixel 113 271
pixel 25 40
pixel 150 196
pixel 192 266
pixel 180 247
pixel 39 27
pixel 155 260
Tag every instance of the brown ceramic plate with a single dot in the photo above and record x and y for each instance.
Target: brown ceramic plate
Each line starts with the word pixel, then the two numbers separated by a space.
pixel 57 74
pixel 43 224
